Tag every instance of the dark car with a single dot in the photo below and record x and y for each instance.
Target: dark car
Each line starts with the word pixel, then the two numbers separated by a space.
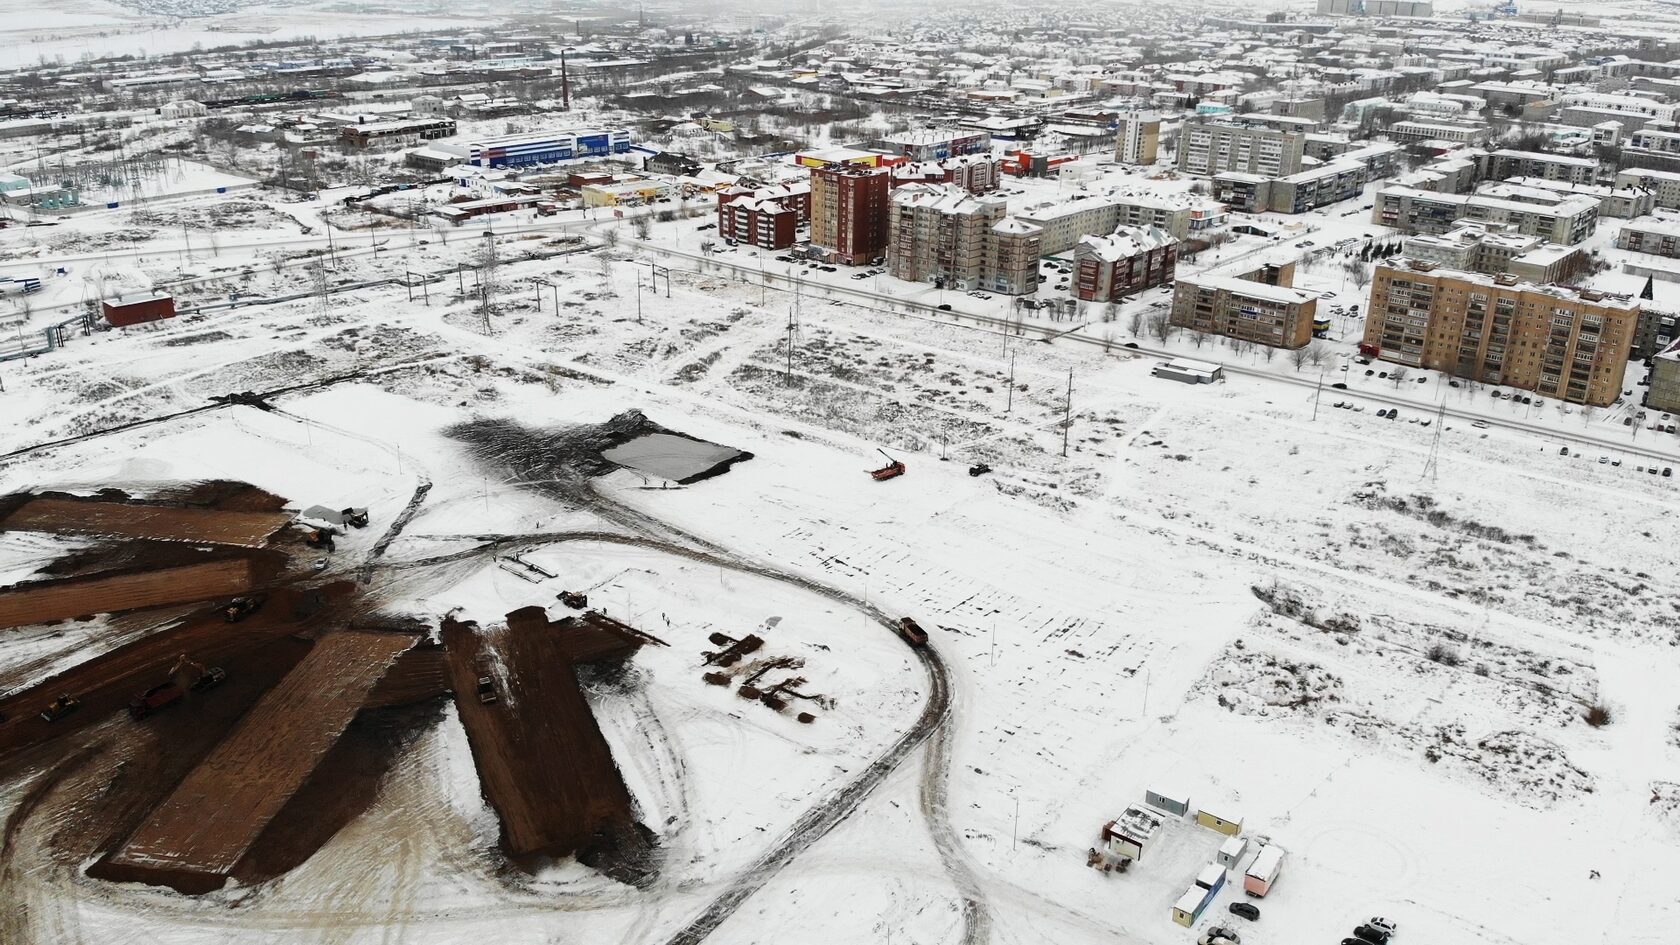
pixel 1339 386
pixel 1131 344
pixel 1372 934
pixel 944 308
pixel 1246 910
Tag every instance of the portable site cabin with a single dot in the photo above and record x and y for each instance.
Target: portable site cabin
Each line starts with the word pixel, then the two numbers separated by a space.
pixel 1212 877
pixel 1129 834
pixel 1263 872
pixel 1177 805
pixel 1188 371
pixel 1231 852
pixel 1190 905
pixel 1230 826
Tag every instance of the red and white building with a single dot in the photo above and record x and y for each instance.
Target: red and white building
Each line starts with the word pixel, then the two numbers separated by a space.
pixel 767 217
pixel 975 173
pixel 1111 268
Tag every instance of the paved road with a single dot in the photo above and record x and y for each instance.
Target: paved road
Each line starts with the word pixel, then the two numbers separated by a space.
pixel 1656 451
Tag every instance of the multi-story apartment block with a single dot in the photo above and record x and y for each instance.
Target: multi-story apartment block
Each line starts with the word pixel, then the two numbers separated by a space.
pixel 1621 202
pixel 1064 223
pixel 1258 306
pixel 1111 268
pixel 1182 215
pixel 1664 393
pixel 1138 140
pixel 975 173
pixel 1663 186
pixel 942 234
pixel 1656 236
pixel 1556 217
pixel 1208 147
pixel 1474 247
pixel 757 221
pixel 1506 163
pixel 1297 193
pixel 1564 343
pixel 849 212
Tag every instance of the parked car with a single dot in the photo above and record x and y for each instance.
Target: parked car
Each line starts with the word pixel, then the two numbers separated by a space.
pixel 1246 910
pixel 1372 934
pixel 1339 386
pixel 1378 922
pixel 1219 935
pixel 1668 471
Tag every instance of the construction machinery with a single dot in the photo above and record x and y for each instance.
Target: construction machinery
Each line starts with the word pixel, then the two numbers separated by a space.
pixel 60 707
pixel 912 632
pixel 199 677
pixel 355 518
pixel 892 470
pixel 574 599
pixel 979 469
pixel 487 690
pixel 156 699
pixel 319 538
pixel 241 607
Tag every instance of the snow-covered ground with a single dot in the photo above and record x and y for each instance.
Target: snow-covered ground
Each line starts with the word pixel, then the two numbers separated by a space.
pixel 1372 640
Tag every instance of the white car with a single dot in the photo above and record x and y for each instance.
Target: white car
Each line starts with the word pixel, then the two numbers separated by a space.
pixel 1383 925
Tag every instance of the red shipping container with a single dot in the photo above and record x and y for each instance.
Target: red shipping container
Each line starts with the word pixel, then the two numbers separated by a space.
pixel 121 313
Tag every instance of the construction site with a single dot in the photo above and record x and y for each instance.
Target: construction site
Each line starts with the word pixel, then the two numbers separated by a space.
pixel 248 659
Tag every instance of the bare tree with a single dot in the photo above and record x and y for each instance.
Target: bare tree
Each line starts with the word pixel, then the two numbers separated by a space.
pixel 607 276
pixel 1316 354
pixel 1161 328
pixel 487 264
pixel 1269 351
pixel 1198 338
pixel 1398 375
pixel 1298 358
pixel 643 226
pixel 1359 273
pixel 1135 323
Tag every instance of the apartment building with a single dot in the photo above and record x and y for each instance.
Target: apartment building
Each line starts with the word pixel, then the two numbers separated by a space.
pixel 1182 215
pixel 1475 247
pixel 1620 202
pixel 1663 186
pixel 1258 306
pixel 942 234
pixel 975 173
pixel 1664 393
pixel 1208 147
pixel 849 206
pixel 758 222
pixel 1064 223
pixel 1658 237
pixel 1297 193
pixel 1124 263
pixel 1564 343
pixel 1138 140
pixel 1505 163
pixel 1556 217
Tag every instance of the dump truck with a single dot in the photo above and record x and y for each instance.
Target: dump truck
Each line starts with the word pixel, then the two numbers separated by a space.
pixel 912 632
pixel 487 690
pixel 156 699
pixel 892 470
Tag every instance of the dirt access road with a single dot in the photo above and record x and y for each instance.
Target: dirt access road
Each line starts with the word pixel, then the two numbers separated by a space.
pixel 139 520
pixel 828 813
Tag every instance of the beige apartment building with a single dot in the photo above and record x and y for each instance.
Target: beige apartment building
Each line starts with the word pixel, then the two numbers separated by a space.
pixel 942 234
pixel 1208 147
pixel 1257 306
pixel 1571 344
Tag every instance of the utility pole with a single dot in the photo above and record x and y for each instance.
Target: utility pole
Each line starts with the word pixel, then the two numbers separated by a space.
pixel 1067 414
pixel 565 84
pixel 788 378
pixel 1317 391
pixel 1010 403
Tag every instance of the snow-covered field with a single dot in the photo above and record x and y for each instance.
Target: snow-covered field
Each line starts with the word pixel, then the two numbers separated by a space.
pixel 1373 641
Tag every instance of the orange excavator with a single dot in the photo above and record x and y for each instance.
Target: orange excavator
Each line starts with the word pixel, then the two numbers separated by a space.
pixel 893 469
